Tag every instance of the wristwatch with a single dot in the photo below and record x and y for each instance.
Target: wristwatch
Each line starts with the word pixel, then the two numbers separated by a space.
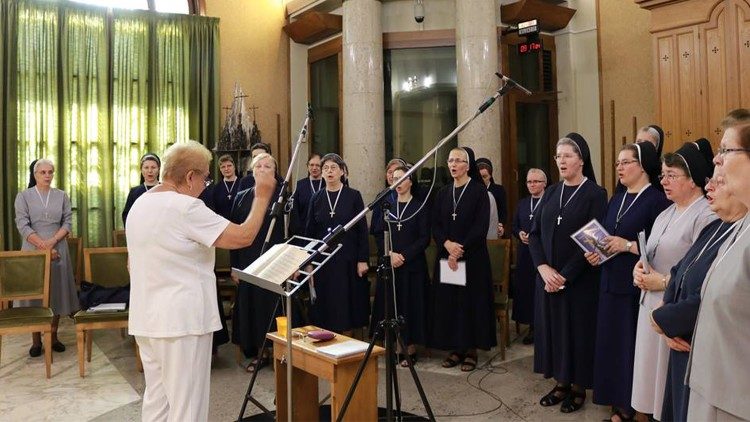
pixel 628 245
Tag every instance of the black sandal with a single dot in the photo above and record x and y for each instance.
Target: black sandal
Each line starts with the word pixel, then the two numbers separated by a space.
pixel 623 418
pixel 449 362
pixel 552 398
pixel 469 364
pixel 572 402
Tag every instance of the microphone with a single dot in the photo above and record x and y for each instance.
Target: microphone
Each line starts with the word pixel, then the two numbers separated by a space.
pixel 512 83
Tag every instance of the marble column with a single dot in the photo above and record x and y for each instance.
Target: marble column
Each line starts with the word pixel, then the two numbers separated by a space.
pixel 363 120
pixel 476 64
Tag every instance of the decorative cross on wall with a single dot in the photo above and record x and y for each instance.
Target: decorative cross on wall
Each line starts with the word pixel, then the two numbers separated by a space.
pixel 717 131
pixel 715 50
pixel 665 58
pixel 669 133
pixel 686 54
pixel 688 132
pixel 747 44
pixel 253 108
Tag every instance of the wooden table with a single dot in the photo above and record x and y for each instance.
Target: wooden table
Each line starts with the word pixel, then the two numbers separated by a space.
pixel 309 365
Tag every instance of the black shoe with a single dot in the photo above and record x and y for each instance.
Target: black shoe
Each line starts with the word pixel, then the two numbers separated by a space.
pixel 573 402
pixel 58 347
pixel 35 351
pixel 529 339
pixel 558 394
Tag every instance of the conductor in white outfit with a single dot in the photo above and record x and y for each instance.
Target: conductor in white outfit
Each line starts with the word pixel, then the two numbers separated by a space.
pixel 171 237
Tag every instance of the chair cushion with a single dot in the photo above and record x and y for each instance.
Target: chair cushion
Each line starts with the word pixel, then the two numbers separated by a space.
pixel 18 317
pixel 501 301
pixel 87 317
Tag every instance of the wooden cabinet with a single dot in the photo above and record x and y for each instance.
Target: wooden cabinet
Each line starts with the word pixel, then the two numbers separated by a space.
pixel 701 65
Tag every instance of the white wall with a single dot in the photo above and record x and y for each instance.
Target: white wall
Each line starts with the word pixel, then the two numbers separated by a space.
pixel 578 78
pixel 298 100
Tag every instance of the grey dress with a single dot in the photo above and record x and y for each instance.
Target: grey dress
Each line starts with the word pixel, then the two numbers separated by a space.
pixel 33 217
pixel 671 236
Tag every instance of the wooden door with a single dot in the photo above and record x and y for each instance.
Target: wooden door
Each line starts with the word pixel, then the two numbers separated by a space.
pixel 664 45
pixel 740 12
pixel 713 48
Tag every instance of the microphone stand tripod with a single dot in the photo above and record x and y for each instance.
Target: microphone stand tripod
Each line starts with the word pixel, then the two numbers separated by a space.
pixel 277 211
pixel 390 325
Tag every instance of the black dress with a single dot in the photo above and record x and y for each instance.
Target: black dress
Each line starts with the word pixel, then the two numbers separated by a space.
pixel 410 239
pixel 617 317
pixel 565 321
pixel 464 316
pixel 254 305
pixel 222 196
pixel 343 298
pixel 302 195
pixel 501 199
pixel 680 310
pixel 135 193
pixel 524 276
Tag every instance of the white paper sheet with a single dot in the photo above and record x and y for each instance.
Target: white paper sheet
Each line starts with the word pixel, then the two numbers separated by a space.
pixel 448 276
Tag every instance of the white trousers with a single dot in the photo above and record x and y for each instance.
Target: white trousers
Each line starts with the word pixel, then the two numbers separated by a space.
pixel 178 378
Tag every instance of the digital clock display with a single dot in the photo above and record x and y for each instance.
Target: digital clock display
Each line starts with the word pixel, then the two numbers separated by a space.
pixel 529 47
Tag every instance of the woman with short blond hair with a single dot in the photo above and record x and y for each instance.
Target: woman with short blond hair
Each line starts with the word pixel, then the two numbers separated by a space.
pixel 173 305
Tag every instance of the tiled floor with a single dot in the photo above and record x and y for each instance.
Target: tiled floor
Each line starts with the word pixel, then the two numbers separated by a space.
pixel 111 391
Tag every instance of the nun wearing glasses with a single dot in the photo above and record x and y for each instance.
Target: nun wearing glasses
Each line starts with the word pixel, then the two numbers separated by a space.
pixel 630 211
pixel 683 176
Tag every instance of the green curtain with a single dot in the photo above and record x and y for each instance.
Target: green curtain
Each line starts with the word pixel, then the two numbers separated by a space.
pixel 130 100
pixel 93 90
pixel 4 179
pixel 204 112
pixel 37 77
pixel 86 150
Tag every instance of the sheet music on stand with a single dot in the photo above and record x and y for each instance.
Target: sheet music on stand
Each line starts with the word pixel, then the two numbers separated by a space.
pixel 273 269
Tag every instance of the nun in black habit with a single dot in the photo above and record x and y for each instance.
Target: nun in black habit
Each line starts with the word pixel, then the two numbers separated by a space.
pixel 464 318
pixel 409 233
pixel 497 190
pixel 567 286
pixel 343 292
pixel 254 306
pixel 303 193
pixel 630 211
pixel 524 277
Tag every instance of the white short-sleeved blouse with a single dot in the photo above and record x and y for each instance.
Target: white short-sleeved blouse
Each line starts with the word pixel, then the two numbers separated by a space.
pixel 170 240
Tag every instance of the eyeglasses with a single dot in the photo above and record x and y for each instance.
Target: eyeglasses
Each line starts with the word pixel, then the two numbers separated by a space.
pixel 671 177
pixel 724 151
pixel 717 181
pixel 206 178
pixel 534 182
pixel 625 162
pixel 331 167
pixel 559 157
pixel 456 160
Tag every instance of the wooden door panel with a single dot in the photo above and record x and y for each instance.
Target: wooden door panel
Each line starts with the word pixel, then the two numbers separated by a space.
pixel 713 49
pixel 688 101
pixel 667 84
pixel 742 16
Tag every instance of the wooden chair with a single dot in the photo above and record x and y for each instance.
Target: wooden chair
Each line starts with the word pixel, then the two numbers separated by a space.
pixel 75 246
pixel 499 251
pixel 430 254
pixel 119 239
pixel 26 275
pixel 106 267
pixel 223 271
